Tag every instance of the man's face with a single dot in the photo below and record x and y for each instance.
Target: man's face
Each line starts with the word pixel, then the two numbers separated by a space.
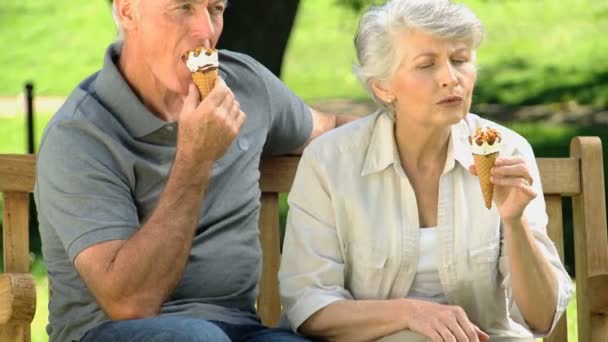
pixel 164 30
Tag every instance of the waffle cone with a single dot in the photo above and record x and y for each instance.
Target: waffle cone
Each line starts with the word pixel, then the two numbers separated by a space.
pixel 484 164
pixel 205 80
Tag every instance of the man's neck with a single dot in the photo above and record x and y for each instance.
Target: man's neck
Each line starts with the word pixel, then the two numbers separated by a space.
pixel 161 101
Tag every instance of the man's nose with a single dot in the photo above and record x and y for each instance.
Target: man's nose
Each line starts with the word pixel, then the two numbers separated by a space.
pixel 202 26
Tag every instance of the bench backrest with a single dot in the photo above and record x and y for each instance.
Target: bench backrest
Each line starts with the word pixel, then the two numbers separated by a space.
pixel 579 176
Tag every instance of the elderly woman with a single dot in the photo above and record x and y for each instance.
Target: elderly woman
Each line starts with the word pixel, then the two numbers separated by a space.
pixel 388 232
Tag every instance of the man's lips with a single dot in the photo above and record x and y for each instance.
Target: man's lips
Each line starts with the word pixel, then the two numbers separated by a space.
pixel 450 100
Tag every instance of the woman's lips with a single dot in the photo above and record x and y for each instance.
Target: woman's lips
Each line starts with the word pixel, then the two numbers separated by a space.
pixel 450 101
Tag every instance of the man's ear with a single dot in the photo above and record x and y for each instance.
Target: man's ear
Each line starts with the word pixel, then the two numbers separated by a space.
pixel 382 92
pixel 126 10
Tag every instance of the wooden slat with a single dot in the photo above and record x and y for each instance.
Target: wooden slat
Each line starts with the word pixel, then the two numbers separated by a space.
pixel 269 306
pixel 560 176
pixel 18 298
pixel 592 178
pixel 17 332
pixel 555 230
pixel 590 241
pixel 17 172
pixel 276 174
pixel 15 232
pixel 598 290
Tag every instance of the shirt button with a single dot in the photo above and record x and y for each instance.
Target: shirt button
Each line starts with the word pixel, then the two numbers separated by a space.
pixel 169 128
pixel 243 144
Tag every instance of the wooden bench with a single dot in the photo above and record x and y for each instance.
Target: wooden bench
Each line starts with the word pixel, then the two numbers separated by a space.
pixel 579 176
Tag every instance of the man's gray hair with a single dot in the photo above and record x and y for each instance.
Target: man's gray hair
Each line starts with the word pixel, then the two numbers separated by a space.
pixel 119 29
pixel 378 51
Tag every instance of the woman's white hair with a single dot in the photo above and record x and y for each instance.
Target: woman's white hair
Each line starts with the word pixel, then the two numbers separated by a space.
pixel 378 53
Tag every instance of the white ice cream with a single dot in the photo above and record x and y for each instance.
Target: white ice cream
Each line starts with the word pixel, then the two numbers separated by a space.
pixel 485 148
pixel 202 61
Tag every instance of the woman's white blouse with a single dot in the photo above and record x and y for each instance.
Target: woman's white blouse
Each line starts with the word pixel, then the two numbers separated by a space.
pixel 426 284
pixel 353 231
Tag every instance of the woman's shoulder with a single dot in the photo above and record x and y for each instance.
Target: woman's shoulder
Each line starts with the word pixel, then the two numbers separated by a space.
pixel 350 138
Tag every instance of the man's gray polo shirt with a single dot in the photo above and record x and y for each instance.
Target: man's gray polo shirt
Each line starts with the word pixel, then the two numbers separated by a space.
pixel 103 163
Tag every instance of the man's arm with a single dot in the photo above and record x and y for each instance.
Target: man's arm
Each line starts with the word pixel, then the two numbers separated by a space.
pixel 132 278
pixel 323 122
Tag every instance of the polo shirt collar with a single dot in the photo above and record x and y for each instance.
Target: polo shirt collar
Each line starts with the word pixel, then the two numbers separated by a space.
pixel 114 92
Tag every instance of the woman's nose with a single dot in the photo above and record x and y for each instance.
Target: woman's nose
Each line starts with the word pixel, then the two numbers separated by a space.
pixel 447 75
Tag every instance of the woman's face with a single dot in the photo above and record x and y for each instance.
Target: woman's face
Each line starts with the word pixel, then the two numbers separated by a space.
pixel 434 82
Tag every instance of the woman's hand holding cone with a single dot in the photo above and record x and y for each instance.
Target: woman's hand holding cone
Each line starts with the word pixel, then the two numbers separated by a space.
pixel 512 187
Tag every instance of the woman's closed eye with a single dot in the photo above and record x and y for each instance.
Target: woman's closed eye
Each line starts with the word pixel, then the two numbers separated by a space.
pixel 425 65
pixel 458 61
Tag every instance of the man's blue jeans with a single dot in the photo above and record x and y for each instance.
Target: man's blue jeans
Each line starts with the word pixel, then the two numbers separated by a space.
pixel 173 328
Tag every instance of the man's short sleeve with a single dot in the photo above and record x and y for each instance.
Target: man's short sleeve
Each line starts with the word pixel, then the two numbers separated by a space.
pixel 82 193
pixel 290 117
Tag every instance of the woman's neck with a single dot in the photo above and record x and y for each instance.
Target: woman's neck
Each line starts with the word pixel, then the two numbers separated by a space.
pixel 422 148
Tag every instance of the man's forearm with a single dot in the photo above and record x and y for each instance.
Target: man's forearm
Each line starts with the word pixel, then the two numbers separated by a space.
pixel 149 265
pixel 533 280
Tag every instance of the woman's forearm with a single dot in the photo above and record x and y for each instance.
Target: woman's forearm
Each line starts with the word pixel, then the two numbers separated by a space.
pixel 533 281
pixel 357 320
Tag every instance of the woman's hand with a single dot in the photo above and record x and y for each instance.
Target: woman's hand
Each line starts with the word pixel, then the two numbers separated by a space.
pixel 512 187
pixel 441 322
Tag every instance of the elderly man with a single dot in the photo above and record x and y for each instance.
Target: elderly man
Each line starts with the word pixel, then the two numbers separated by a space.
pixel 148 196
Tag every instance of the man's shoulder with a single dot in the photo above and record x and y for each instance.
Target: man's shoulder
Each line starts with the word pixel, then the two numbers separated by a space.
pixel 81 111
pixel 232 61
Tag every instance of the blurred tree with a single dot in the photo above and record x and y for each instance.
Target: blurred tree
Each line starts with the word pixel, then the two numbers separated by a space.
pixel 356 5
pixel 260 29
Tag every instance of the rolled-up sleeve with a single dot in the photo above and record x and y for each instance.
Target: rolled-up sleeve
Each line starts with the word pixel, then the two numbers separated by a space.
pixel 536 217
pixel 312 269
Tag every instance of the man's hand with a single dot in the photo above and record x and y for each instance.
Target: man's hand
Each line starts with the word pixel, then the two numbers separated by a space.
pixel 207 128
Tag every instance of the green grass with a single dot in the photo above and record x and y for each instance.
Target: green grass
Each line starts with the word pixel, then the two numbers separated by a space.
pixel 53 43
pixel 536 51
pixel 12 132
pixel 528 57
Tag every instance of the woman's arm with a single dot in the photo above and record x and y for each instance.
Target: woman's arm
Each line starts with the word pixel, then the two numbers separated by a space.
pixel 533 280
pixel 540 286
pixel 369 320
pixel 357 320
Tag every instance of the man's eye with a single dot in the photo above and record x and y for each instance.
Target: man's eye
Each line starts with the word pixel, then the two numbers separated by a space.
pixel 425 66
pixel 219 8
pixel 186 8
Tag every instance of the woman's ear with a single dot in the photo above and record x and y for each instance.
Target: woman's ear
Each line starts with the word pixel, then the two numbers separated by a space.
pixel 382 92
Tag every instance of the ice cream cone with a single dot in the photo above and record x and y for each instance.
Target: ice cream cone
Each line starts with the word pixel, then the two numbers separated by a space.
pixel 203 63
pixel 205 80
pixel 484 164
